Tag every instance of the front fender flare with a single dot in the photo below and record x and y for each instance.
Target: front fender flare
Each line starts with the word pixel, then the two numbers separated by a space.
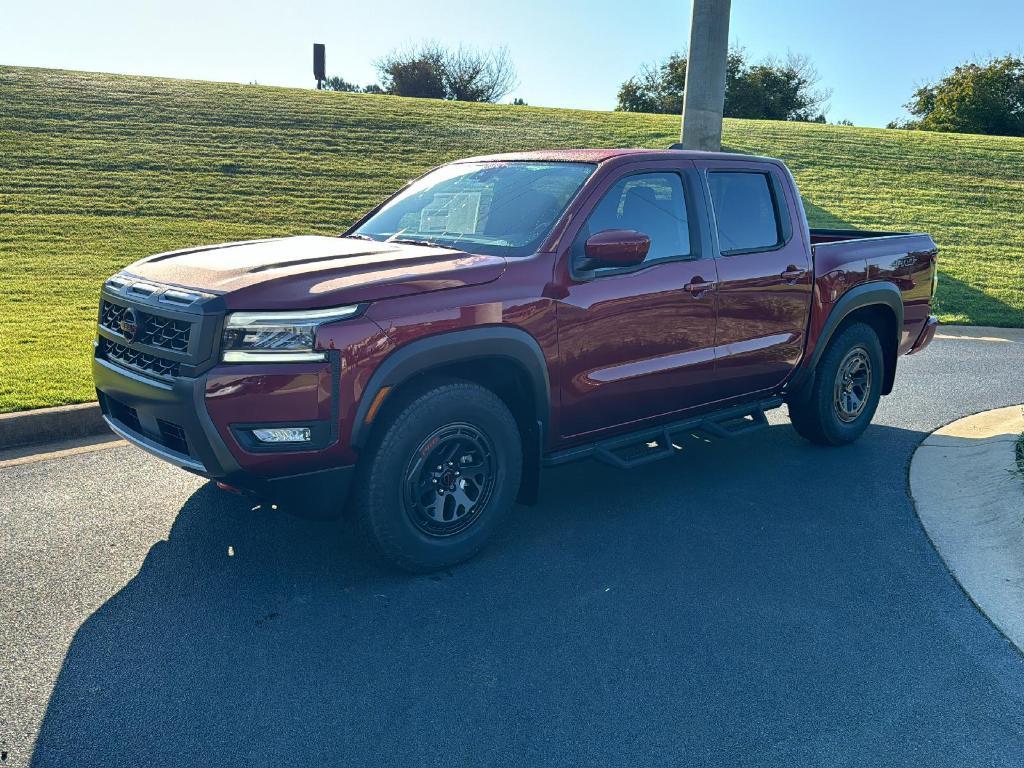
pixel 422 355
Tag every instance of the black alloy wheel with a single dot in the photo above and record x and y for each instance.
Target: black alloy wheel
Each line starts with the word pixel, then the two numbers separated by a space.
pixel 449 479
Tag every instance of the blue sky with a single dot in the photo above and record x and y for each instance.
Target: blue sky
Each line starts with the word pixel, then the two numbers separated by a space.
pixel 568 52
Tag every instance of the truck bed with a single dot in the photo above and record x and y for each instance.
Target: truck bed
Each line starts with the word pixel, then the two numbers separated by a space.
pixel 824 236
pixel 845 258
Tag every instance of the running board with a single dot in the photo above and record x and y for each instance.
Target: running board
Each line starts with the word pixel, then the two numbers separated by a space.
pixel 654 443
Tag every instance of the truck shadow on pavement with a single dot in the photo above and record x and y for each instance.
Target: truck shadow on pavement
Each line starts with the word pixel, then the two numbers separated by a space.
pixel 762 599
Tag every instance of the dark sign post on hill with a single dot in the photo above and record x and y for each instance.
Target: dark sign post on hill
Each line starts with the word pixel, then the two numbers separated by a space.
pixel 319 64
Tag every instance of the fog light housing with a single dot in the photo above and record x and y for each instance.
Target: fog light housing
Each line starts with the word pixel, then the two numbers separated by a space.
pixel 276 435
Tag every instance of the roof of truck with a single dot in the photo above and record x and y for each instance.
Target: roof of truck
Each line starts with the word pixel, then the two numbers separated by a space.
pixel 601 155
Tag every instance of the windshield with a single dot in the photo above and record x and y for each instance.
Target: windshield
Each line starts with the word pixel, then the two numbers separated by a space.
pixel 498 209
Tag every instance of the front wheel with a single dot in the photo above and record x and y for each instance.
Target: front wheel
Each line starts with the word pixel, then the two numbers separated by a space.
pixel 846 390
pixel 442 474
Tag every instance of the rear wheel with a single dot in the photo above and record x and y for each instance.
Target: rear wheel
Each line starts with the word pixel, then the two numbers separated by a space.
pixel 846 389
pixel 440 477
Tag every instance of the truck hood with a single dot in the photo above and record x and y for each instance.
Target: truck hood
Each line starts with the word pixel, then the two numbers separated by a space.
pixel 311 271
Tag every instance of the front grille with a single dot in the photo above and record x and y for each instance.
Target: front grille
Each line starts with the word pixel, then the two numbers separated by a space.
pixel 153 330
pixel 110 316
pixel 136 360
pixel 166 333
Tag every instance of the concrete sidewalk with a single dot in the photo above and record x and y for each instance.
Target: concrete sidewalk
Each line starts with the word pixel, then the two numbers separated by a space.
pixel 969 495
pixel 981 333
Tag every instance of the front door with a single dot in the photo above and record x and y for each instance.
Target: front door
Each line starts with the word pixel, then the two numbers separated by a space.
pixel 764 273
pixel 638 342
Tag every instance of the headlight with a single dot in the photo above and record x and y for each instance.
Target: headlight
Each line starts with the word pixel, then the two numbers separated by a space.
pixel 278 337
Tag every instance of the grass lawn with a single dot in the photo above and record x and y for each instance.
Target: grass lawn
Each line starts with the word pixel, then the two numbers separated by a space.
pixel 97 170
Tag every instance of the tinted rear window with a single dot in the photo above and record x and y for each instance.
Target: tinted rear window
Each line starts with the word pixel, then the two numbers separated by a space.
pixel 745 211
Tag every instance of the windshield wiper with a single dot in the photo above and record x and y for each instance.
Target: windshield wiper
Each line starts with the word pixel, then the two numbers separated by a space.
pixel 357 236
pixel 412 241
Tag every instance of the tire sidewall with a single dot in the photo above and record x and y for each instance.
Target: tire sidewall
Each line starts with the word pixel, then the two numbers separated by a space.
pixel 835 429
pixel 387 516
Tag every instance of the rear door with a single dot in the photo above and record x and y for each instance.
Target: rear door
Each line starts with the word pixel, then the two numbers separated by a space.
pixel 638 342
pixel 764 274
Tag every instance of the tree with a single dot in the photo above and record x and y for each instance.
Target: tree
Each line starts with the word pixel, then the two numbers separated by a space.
pixel 774 90
pixel 344 86
pixel 417 72
pixel 658 88
pixel 974 98
pixel 768 90
pixel 473 75
pixel 434 72
pixel 340 84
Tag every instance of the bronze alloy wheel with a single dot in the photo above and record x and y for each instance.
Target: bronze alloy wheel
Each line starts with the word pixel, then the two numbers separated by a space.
pixel 852 386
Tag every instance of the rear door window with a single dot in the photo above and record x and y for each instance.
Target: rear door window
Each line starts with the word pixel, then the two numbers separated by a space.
pixel 746 212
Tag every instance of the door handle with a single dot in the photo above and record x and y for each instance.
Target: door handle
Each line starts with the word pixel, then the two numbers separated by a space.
pixel 792 274
pixel 698 287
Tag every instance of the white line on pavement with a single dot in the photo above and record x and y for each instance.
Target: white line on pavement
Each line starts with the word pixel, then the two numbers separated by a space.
pixel 18 457
pixel 975 338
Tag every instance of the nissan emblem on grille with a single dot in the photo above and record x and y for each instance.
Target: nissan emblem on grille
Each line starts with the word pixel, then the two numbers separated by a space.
pixel 129 325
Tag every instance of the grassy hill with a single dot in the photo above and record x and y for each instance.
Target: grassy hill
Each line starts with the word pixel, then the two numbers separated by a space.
pixel 98 170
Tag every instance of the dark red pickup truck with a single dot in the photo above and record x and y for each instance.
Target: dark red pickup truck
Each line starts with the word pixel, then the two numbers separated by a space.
pixel 501 314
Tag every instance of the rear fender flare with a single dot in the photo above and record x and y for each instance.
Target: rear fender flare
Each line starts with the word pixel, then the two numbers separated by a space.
pixel 858 297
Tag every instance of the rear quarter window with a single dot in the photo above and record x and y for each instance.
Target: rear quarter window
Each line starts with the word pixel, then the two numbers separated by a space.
pixel 746 211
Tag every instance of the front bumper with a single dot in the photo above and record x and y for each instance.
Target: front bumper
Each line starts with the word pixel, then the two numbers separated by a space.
pixel 170 420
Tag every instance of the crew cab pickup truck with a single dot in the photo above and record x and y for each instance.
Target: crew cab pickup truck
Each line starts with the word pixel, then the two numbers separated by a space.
pixel 504 313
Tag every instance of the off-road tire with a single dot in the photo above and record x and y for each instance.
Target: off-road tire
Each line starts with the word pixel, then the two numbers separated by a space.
pixel 817 416
pixel 383 502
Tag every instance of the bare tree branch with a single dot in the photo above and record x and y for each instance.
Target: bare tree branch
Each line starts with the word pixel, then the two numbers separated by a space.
pixel 429 70
pixel 474 75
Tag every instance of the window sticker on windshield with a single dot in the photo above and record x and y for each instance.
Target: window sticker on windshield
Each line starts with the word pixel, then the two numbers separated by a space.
pixel 457 212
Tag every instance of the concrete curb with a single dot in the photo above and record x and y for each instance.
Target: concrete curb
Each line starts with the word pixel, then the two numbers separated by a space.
pixel 969 496
pixel 50 425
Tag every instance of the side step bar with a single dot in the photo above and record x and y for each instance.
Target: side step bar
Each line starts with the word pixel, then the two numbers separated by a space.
pixel 653 443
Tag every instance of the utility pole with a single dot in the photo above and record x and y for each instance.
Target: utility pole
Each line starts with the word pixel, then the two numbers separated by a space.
pixel 704 94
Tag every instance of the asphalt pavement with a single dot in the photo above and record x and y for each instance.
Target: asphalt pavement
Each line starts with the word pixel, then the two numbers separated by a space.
pixel 753 602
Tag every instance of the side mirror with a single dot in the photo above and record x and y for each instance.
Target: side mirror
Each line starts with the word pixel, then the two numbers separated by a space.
pixel 617 248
